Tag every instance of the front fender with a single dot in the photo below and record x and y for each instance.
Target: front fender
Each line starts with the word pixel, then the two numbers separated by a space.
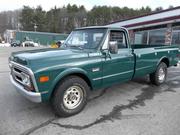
pixel 64 74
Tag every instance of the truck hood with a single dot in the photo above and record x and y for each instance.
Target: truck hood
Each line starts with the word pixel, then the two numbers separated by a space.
pixel 49 56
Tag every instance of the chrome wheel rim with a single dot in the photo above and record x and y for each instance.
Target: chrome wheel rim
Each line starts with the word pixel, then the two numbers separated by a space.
pixel 161 75
pixel 73 97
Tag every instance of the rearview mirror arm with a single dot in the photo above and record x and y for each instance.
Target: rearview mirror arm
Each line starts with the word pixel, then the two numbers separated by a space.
pixel 106 53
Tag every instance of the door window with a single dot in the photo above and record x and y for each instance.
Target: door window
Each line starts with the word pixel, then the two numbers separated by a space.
pixel 119 37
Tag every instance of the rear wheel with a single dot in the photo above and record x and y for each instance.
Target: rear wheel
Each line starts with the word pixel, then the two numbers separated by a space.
pixel 70 97
pixel 14 45
pixel 159 76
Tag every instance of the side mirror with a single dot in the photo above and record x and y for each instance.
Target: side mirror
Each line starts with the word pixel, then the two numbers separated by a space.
pixel 113 47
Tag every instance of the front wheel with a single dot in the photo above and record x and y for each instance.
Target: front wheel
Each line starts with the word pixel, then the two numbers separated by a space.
pixel 70 97
pixel 159 76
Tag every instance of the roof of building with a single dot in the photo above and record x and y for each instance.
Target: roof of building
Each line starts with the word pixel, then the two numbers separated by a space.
pixel 35 32
pixel 47 33
pixel 100 27
pixel 154 18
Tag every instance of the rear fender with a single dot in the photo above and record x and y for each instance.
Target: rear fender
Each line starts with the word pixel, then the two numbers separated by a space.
pixel 163 58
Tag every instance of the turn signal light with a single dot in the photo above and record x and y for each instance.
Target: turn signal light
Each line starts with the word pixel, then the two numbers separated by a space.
pixel 44 79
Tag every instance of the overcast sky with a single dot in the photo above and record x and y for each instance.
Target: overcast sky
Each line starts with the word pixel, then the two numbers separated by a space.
pixel 48 4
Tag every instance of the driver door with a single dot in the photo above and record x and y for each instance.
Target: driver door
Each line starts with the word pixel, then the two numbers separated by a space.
pixel 118 67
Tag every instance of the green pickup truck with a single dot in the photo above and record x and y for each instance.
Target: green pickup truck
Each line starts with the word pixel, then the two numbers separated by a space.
pixel 91 58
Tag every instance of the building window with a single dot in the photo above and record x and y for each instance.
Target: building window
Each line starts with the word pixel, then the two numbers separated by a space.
pixel 157 37
pixel 141 37
pixel 150 37
pixel 176 36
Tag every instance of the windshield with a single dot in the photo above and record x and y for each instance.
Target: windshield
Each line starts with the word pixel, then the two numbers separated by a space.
pixel 85 38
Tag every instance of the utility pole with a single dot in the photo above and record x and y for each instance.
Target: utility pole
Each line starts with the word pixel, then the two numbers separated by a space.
pixel 18 26
pixel 35 27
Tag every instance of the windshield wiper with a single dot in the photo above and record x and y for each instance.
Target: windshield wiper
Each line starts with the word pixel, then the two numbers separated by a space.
pixel 76 46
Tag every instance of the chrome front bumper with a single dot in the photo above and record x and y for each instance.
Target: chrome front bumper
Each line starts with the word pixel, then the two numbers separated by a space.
pixel 32 96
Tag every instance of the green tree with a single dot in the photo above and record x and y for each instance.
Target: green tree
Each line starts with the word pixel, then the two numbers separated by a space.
pixel 27 18
pixel 39 19
pixel 65 19
pixel 53 19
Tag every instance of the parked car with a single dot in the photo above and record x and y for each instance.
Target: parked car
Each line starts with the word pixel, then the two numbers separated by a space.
pixel 3 44
pixel 91 58
pixel 15 43
pixel 29 43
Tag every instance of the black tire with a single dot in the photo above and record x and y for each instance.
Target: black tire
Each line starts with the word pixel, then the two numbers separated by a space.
pixel 15 45
pixel 59 96
pixel 155 77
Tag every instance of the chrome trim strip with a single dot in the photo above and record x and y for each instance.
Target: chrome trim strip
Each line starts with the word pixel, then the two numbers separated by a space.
pixel 16 73
pixel 32 96
pixel 112 75
pixel 143 67
pixel 29 71
pixel 119 73
pixel 44 92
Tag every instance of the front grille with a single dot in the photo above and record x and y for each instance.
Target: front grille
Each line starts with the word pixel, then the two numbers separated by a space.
pixel 17 74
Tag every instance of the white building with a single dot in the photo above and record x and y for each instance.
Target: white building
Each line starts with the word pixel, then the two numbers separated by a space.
pixel 9 35
pixel 161 27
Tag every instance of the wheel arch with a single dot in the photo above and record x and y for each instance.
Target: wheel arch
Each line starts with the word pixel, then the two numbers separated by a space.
pixel 70 72
pixel 165 60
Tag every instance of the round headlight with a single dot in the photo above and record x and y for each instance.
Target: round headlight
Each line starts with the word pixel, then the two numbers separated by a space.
pixel 26 79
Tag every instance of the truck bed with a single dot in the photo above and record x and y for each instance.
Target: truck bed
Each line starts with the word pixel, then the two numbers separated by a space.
pixel 148 56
